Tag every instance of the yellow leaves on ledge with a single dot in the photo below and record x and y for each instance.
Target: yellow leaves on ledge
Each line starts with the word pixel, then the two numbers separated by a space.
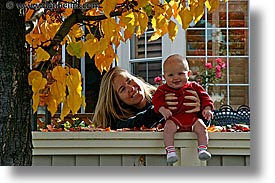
pixel 65 87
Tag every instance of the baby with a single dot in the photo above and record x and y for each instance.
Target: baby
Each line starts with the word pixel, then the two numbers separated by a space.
pixel 176 74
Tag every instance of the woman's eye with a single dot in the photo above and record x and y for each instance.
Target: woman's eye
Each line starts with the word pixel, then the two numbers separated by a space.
pixel 122 89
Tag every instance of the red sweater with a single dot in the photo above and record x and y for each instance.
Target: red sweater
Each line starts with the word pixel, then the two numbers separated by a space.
pixel 179 116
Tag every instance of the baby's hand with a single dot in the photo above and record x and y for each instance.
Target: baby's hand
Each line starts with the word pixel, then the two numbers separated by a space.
pixel 207 114
pixel 166 113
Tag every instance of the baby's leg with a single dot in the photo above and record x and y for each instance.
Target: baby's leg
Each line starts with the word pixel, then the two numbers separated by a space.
pixel 202 135
pixel 170 129
pixel 201 131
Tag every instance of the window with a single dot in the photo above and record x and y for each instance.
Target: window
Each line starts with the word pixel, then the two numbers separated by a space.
pixel 145 56
pixel 222 34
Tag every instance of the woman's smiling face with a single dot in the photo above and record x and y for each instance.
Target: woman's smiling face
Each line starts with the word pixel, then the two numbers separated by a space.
pixel 129 91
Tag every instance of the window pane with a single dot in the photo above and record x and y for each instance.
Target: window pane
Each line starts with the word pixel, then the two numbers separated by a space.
pixel 238 70
pixel 218 17
pixel 196 65
pixel 238 13
pixel 238 95
pixel 142 69
pixel 195 42
pixel 238 42
pixel 216 45
pixel 141 48
pixel 218 95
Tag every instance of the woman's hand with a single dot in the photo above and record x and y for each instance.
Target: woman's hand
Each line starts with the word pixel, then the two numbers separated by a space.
pixel 171 101
pixel 196 100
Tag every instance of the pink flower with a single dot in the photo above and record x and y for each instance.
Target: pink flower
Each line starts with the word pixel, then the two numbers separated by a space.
pixel 218 71
pixel 220 62
pixel 218 74
pixel 218 68
pixel 157 80
pixel 208 66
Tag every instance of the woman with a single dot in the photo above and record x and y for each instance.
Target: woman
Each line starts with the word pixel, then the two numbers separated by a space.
pixel 125 101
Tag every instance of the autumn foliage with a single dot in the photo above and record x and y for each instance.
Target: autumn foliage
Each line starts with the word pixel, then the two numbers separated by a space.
pixel 107 23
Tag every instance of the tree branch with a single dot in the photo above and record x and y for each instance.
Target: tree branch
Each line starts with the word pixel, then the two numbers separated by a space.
pixel 76 17
pixel 32 23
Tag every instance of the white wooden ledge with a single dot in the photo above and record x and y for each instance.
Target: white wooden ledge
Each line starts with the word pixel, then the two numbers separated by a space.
pixel 138 143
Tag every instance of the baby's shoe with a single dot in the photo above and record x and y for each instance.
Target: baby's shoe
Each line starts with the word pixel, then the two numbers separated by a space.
pixel 172 157
pixel 171 154
pixel 203 153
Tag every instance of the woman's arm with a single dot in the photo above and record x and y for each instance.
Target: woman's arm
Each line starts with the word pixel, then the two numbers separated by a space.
pixel 146 118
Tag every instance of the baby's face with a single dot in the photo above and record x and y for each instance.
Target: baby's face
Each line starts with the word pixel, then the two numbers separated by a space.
pixel 176 75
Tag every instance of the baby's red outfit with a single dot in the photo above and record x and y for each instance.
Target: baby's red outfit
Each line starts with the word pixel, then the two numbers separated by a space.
pixel 182 119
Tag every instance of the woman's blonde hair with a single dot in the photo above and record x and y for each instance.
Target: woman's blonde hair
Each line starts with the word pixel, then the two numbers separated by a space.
pixel 109 107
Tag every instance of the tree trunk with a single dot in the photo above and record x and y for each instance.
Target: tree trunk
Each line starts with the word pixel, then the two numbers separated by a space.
pixel 15 93
pixel 93 79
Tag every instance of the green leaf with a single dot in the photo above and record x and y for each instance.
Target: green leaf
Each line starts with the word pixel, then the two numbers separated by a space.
pixel 148 10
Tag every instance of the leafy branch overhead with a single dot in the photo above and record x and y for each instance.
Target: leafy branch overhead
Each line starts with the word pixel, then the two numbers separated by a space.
pixel 95 31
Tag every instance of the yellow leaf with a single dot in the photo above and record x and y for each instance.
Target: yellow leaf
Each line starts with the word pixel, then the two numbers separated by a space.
pixel 38 83
pixel 67 12
pixel 33 74
pixel 73 81
pixel 186 17
pixel 90 36
pixel 92 46
pixel 143 23
pixel 44 30
pixel 105 59
pixel 155 35
pixel 75 49
pixel 83 102
pixel 159 21
pixel 77 31
pixel 28 14
pixel 51 104
pixel 29 39
pixel 172 30
pixel 109 27
pixel 159 10
pixel 103 44
pixel 128 34
pixel 175 8
pixel 52 28
pixel 142 3
pixel 42 55
pixel 58 91
pixel 74 101
pixel 65 110
pixel 168 11
pixel 155 2
pixel 198 13
pixel 108 7
pixel 116 40
pixel 211 5
pixel 59 74
pixel 154 22
pixel 130 21
pixel 35 101
pixel 75 72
